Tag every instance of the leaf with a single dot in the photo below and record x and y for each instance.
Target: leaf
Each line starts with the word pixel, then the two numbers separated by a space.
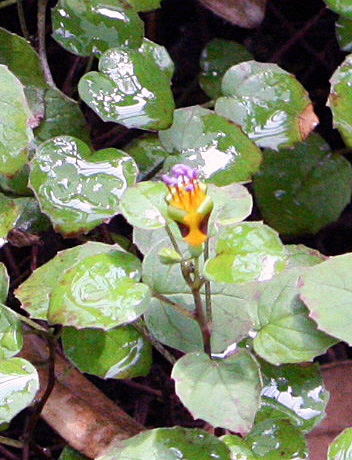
pixel 294 392
pixel 145 5
pixel 208 142
pixel 285 333
pixel 302 256
pixel 146 239
pixel 144 205
pixel 62 117
pixel 76 189
pixel 246 252
pixel 244 14
pixel 270 105
pixel 237 382
pixel 238 447
pixel 158 54
pixel 71 454
pixel 35 291
pixel 342 7
pixel 119 353
pixel 16 184
pixel 325 290
pixel 340 99
pixel 93 26
pixel 102 291
pixel 19 383
pixel 4 283
pixel 340 448
pixel 344 33
pixel 11 338
pixel 292 184
pixel 168 444
pixel 9 212
pixel 130 89
pixel 218 56
pixel 14 122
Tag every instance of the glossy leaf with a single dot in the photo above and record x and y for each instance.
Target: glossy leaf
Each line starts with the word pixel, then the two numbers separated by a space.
pixel 119 353
pixel 342 7
pixel 217 57
pixel 11 338
pixel 344 33
pixel 295 392
pixel 237 382
pixel 292 184
pixel 93 26
pixel 246 252
pixel 285 333
pixel 34 293
pixel 14 122
pixel 270 105
pixel 341 447
pixel 102 291
pixel 159 55
pixel 76 189
pixel 130 89
pixel 208 142
pixel 62 117
pixel 169 444
pixel 4 283
pixel 238 447
pixel 19 383
pixel 326 292
pixel 144 205
pixel 145 5
pixel 340 99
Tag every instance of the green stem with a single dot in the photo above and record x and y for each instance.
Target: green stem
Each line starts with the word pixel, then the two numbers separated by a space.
pixel 174 305
pixel 11 442
pixel 5 3
pixel 208 309
pixel 22 19
pixel 32 323
pixel 42 4
pixel 202 321
pixel 142 328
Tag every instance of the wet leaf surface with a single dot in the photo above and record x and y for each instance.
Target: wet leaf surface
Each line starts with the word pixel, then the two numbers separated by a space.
pixel 340 449
pixel 342 7
pixel 344 33
pixel 11 338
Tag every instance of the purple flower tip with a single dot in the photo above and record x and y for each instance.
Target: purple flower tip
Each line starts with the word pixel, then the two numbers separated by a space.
pixel 169 180
pixel 182 170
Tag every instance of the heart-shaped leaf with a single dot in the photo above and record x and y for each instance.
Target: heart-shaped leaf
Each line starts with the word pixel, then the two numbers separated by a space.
pixel 292 184
pixel 214 146
pixel 270 105
pixel 76 189
pixel 159 55
pixel 237 382
pixel 119 353
pixel 94 26
pixel 130 89
pixel 14 122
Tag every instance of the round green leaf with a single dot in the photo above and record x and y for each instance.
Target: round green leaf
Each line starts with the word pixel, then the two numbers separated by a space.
pixel 130 89
pixel 119 353
pixel 11 338
pixel 340 99
pixel 35 291
pixel 19 383
pixel 285 333
pixel 344 33
pixel 295 392
pixel 325 290
pixel 102 291
pixel 93 26
pixel 169 444
pixel 236 382
pixel 292 184
pixel 341 447
pixel 4 283
pixel 219 149
pixel 270 105
pixel 15 116
pixel 246 252
pixel 342 7
pixel 144 205
pixel 159 54
pixel 79 190
pixel 218 56
pixel 145 5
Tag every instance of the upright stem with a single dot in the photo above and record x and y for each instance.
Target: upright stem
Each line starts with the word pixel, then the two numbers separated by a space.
pixel 22 19
pixel 202 321
pixel 208 310
pixel 41 37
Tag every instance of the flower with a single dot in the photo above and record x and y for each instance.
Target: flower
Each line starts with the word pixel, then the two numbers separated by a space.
pixel 188 203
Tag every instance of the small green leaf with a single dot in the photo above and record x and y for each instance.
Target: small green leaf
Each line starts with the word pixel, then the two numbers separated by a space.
pixel 94 26
pixel 340 448
pixel 130 89
pixel 344 33
pixel 15 116
pixel 326 292
pixel 246 252
pixel 102 291
pixel 169 256
pixel 4 283
pixel 71 454
pixel 212 144
pixel 159 54
pixel 285 333
pixel 79 190
pixel 237 382
pixel 218 56
pixel 295 392
pixel 119 353
pixel 238 447
pixel 145 5
pixel 144 205
pixel 11 338
pixel 270 105
pixel 340 99
pixel 35 292
pixel 169 444
pixel 19 383
pixel 292 184
pixel 342 7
